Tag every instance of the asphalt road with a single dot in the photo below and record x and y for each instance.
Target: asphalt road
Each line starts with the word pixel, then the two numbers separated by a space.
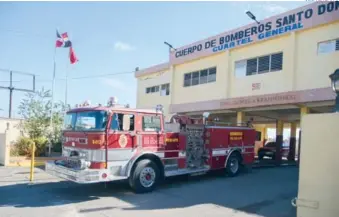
pixel 265 192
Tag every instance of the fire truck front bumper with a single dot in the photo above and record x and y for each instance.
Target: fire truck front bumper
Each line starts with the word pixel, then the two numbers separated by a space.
pixel 81 176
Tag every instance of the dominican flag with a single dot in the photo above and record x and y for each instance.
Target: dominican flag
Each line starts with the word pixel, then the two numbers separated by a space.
pixel 62 40
pixel 72 57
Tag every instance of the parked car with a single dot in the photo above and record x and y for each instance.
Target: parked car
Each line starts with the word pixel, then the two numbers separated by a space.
pixel 270 148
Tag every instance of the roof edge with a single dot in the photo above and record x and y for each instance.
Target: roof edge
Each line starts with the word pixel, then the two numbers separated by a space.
pixel 152 69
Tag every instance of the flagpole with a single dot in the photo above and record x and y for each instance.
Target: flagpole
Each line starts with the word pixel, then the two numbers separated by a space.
pixel 66 88
pixel 52 104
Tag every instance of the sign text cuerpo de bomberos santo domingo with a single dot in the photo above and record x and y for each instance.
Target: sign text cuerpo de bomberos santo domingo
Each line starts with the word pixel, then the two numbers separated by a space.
pixel 288 23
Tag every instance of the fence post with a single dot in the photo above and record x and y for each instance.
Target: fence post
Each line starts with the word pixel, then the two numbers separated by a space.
pixel 31 176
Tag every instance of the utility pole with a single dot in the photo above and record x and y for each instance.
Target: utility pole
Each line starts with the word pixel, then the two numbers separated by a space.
pixel 11 88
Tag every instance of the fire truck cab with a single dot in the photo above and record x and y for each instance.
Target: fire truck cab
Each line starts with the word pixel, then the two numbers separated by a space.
pixel 107 143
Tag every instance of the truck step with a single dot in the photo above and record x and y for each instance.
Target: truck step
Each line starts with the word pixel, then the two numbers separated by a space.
pixel 186 171
pixel 198 173
pixel 171 167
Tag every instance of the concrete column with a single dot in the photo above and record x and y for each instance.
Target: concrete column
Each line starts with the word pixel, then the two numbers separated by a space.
pixel 262 140
pixel 279 140
pixel 303 111
pixel 291 151
pixel 229 74
pixel 5 147
pixel 263 134
pixel 171 70
pixel 293 62
pixel 240 118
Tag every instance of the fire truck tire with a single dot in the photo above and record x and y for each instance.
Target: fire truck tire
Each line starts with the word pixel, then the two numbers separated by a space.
pixel 145 176
pixel 233 165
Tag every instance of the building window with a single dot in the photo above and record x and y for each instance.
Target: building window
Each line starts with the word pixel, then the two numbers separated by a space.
pixel 264 64
pixel 276 62
pixel 195 78
pixel 259 65
pixel 328 46
pixel 187 79
pixel 165 90
pixel 153 89
pixel 241 68
pixel 252 65
pixel 200 77
pixel 212 74
pixel 203 76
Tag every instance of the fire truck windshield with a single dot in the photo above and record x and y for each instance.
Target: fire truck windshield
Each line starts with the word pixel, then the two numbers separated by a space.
pixel 86 120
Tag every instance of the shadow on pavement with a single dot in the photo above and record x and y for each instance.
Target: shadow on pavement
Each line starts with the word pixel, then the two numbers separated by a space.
pixel 266 192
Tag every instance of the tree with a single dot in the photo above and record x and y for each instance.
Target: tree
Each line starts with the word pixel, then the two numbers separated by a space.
pixel 35 109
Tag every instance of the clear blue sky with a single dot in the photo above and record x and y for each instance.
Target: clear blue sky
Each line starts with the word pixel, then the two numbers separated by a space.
pixel 108 37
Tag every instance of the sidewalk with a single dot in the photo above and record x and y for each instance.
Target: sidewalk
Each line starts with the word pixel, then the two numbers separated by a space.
pixel 26 161
pixel 20 175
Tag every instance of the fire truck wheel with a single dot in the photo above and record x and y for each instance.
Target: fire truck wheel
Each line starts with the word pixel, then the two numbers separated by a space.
pixel 233 165
pixel 145 176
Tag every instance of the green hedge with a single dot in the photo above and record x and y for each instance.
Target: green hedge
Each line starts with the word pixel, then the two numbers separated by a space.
pixel 23 146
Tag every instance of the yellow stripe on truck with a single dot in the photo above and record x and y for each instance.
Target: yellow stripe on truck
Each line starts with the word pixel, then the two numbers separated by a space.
pixel 172 140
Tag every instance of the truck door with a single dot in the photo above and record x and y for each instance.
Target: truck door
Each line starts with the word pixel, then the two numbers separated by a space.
pixel 152 136
pixel 118 137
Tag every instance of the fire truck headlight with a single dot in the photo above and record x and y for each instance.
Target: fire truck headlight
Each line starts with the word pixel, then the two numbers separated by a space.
pixel 65 153
pixel 82 155
pixel 84 164
pixel 87 164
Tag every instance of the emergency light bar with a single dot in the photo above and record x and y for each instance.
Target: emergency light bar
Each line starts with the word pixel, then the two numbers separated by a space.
pixel 86 103
pixel 112 101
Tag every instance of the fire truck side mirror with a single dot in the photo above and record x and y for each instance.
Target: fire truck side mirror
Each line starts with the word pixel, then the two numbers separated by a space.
pixel 126 123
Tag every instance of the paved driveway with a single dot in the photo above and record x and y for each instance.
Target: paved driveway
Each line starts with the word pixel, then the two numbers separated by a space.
pixel 263 192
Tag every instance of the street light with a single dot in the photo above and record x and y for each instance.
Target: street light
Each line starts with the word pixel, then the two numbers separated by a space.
pixel 250 15
pixel 335 86
pixel 170 46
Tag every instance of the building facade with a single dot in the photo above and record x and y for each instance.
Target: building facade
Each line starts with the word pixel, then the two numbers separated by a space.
pixel 269 70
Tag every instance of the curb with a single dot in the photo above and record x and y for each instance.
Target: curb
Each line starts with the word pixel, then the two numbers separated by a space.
pixel 274 165
pixel 27 162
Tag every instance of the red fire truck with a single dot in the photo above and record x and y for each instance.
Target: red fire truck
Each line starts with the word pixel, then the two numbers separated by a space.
pixel 107 143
